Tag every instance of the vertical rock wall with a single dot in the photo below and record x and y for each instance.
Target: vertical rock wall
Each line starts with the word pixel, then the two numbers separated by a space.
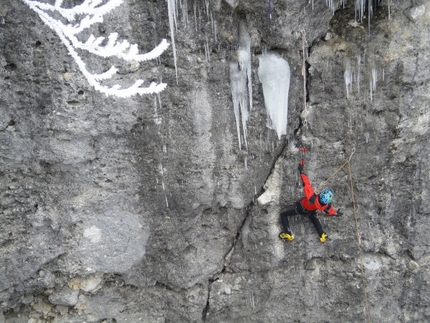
pixel 146 209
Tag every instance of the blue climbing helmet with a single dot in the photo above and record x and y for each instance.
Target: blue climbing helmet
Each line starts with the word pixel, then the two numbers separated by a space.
pixel 326 196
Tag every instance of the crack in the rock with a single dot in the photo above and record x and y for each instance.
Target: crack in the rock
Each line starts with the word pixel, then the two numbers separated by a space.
pixel 240 228
pixel 206 308
pixel 251 204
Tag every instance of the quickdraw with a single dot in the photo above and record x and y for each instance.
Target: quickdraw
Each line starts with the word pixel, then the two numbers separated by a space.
pixel 302 154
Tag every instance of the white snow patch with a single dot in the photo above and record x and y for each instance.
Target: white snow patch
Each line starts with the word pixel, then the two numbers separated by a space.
pixel 372 262
pixel 93 233
pixel 268 197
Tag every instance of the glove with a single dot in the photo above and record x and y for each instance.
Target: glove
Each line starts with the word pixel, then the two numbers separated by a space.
pixel 301 170
pixel 339 213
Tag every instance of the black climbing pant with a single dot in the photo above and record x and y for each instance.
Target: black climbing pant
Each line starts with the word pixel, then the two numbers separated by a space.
pixel 295 209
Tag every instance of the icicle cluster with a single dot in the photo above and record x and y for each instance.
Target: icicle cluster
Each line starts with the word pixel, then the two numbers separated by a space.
pixel 241 84
pixel 94 10
pixel 355 73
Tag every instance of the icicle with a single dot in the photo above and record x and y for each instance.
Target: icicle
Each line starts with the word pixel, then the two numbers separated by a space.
pixel 171 6
pixel 159 99
pixel 374 78
pixel 184 10
pixel 270 9
pixel 215 31
pixel 359 8
pixel 366 136
pixel 330 4
pixel 274 74
pixel 214 27
pixel 389 9
pixel 157 118
pixel 245 43
pixel 238 90
pixel 348 80
pixel 369 13
pixel 195 15
pixel 240 75
pixel 207 53
pixel 358 73
pixel 207 7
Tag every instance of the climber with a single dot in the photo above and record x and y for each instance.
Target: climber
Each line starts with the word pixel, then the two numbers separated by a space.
pixel 309 205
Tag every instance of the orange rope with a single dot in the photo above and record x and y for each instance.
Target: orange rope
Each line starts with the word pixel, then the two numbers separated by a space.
pixel 363 276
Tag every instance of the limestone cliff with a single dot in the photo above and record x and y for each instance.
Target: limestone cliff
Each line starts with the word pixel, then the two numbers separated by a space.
pixel 165 207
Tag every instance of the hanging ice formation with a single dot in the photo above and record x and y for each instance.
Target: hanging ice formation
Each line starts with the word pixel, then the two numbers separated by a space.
pixel 241 83
pixel 354 74
pixel 171 7
pixel 274 74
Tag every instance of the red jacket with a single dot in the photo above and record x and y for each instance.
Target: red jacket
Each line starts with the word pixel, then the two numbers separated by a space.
pixel 311 201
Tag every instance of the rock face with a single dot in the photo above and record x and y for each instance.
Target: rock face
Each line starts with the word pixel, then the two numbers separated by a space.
pixel 147 209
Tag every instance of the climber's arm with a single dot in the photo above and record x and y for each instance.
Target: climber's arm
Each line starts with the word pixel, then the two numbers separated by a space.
pixel 307 187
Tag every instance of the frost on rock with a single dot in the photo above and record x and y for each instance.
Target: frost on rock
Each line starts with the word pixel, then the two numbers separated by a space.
pixel 66 23
pixel 274 74
pixel 241 83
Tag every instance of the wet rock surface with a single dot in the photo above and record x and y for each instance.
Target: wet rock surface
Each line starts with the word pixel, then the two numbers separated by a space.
pixel 146 209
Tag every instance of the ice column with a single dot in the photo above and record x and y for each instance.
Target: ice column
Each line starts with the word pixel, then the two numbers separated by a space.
pixel 274 74
pixel 241 83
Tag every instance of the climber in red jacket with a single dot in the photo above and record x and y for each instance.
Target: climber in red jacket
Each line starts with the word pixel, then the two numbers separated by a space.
pixel 309 205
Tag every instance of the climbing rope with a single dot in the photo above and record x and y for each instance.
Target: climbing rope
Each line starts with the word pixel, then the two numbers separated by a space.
pixel 342 166
pixel 363 276
pixel 348 162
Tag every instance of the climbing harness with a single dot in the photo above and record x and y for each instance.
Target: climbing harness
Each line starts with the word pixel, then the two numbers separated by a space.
pixel 363 276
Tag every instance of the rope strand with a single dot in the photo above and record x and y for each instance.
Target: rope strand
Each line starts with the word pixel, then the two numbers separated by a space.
pixel 363 276
pixel 322 184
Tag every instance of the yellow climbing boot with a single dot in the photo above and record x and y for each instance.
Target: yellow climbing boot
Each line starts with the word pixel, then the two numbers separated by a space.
pixel 287 236
pixel 323 237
